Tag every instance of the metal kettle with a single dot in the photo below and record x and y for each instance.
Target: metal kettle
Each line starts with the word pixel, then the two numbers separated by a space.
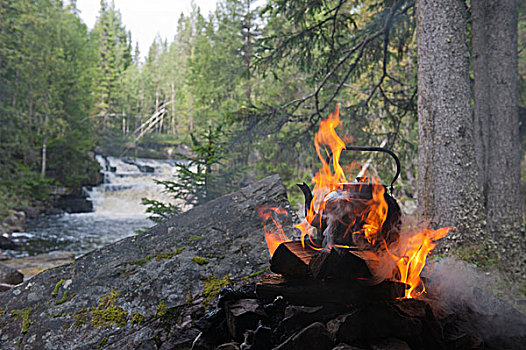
pixel 347 206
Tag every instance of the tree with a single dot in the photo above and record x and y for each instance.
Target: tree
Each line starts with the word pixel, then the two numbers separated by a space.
pixel 448 187
pixel 497 123
pixel 114 55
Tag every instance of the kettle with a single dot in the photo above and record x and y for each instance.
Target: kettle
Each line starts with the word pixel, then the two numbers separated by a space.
pixel 342 219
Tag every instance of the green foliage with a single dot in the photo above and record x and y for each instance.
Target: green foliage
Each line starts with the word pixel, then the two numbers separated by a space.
pixel 46 61
pixel 23 315
pixel 161 310
pixel 169 255
pixel 199 260
pixel 137 319
pixel 63 299
pixel 197 181
pixel 212 287
pixel 140 262
pixel 194 238
pixel 106 313
pixel 57 287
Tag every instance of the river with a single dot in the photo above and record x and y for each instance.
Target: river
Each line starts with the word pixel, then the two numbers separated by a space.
pixel 118 212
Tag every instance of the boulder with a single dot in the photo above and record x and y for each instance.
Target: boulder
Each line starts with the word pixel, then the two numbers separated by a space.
pixel 14 222
pixel 141 292
pixel 6 243
pixel 9 275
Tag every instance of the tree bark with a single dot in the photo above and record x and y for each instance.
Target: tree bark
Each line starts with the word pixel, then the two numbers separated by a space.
pixel 497 121
pixel 448 190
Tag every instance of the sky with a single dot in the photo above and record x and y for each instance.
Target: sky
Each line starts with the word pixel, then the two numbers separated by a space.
pixel 146 18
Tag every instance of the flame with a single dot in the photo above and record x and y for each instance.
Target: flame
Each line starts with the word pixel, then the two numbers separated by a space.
pixel 411 258
pixel 273 237
pixel 401 258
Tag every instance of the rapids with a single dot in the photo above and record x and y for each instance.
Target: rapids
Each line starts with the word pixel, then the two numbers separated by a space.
pixel 118 212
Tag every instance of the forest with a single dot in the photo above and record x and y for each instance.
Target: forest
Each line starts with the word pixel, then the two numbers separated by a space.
pixel 240 93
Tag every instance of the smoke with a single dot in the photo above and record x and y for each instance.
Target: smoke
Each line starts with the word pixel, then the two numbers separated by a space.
pixel 460 289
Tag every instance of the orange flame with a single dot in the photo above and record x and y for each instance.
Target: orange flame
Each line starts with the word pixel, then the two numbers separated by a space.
pixel 274 237
pixel 401 259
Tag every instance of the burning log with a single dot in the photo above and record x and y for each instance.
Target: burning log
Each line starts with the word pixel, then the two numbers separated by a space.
pixel 291 259
pixel 338 264
pixel 314 292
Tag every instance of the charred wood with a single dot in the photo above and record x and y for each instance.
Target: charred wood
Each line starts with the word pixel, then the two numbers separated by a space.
pixel 313 292
pixel 292 259
pixel 338 264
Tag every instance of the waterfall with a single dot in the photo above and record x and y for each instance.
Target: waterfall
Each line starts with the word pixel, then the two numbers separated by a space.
pixel 118 211
pixel 126 181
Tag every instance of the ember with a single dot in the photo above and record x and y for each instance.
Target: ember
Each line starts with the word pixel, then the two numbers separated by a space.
pixel 358 219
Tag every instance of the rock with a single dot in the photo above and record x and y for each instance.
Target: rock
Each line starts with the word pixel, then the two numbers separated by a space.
pixel 15 221
pixel 6 243
pixel 389 344
pixel 298 317
pixel 343 346
pixel 32 265
pixel 242 315
pixel 228 346
pixel 313 337
pixel 73 203
pixel 409 319
pixel 133 294
pixel 9 275
pixel 4 287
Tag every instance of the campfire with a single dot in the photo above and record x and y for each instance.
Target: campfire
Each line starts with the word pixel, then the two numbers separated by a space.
pixel 350 279
pixel 352 231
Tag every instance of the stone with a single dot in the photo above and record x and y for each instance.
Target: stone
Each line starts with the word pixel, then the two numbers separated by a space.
pixel 9 275
pixel 243 315
pixel 5 286
pixel 343 346
pixel 6 243
pixel 149 278
pixel 313 337
pixel 389 344
pixel 228 346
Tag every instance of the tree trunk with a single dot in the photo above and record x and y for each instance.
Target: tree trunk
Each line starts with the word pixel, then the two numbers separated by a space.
pixel 497 121
pixel 44 156
pixel 448 190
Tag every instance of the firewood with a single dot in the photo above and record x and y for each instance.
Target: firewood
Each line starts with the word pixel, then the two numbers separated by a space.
pixel 338 264
pixel 292 259
pixel 307 291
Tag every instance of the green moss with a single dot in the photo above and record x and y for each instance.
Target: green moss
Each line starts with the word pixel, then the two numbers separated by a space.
pixel 478 255
pixel 209 255
pixel 169 255
pixel 257 273
pixel 137 318
pixel 140 262
pixel 57 287
pixel 189 299
pixel 212 287
pixel 194 238
pixel 81 317
pixel 199 260
pixel 63 299
pixel 106 313
pixel 161 309
pixel 23 315
pixel 103 342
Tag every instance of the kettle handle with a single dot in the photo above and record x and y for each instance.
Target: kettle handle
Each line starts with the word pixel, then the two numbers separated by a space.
pixel 374 149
